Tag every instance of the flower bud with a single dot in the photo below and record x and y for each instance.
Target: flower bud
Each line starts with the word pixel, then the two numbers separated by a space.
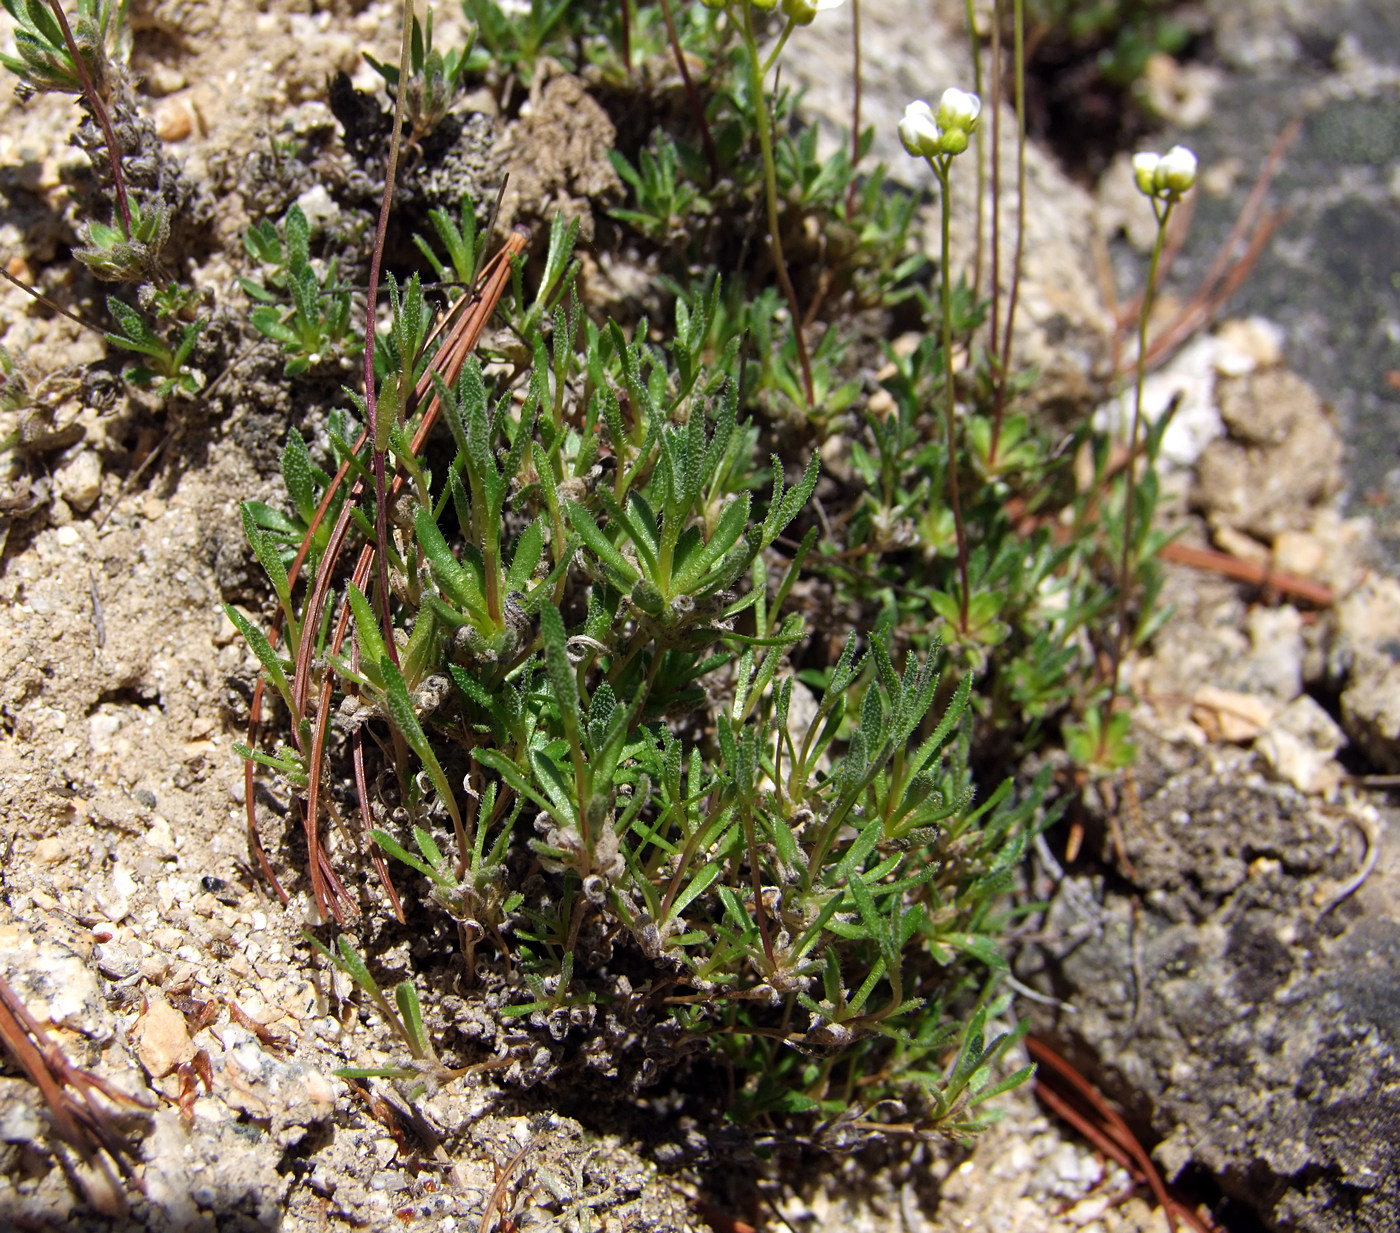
pixel 1176 173
pixel 1145 171
pixel 804 12
pixel 954 141
pixel 1165 176
pixel 958 110
pixel 919 131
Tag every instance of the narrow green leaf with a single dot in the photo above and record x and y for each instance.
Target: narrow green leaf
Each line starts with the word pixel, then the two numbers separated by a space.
pixel 696 887
pixel 395 849
pixel 873 921
pixel 268 557
pixel 372 648
pixel 728 529
pixel 298 233
pixel 599 544
pixel 405 719
pixel 456 580
pixel 351 963
pixel 560 671
pixel 262 648
pixel 406 997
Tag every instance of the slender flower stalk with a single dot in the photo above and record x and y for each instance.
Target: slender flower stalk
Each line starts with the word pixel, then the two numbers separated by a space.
pixel 758 70
pixel 99 111
pixel 692 95
pixel 938 137
pixel 1163 179
pixel 379 422
pixel 975 45
pixel 851 192
pixel 949 411
pixel 1003 361
pixel 798 13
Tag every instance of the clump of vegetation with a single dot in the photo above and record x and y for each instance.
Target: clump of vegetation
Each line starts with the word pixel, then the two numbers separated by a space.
pixel 575 695
pixel 86 57
pixel 671 746
pixel 315 324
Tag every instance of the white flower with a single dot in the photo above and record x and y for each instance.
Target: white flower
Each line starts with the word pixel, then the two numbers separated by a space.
pixel 1176 173
pixel 1145 171
pixel 804 12
pixel 919 131
pixel 1165 176
pixel 940 134
pixel 958 110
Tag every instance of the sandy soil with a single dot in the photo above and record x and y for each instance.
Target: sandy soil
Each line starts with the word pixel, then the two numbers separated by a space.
pixel 131 921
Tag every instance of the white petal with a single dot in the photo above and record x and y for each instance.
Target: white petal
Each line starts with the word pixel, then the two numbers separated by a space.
pixel 918 129
pixel 1145 171
pixel 1177 170
pixel 958 108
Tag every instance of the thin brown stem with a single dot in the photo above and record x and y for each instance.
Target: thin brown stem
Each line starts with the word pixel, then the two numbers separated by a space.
pixel 994 336
pixel 49 304
pixel 855 102
pixel 99 112
pixel 941 167
pixel 1123 641
pixel 692 95
pixel 1003 367
pixel 461 329
pixel 981 147
pixel 376 260
pixel 770 180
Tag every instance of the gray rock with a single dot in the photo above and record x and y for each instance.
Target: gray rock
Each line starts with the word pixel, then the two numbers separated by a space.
pixel 1253 1027
pixel 1299 747
pixel 79 480
pixel 1369 643
pixel 1283 456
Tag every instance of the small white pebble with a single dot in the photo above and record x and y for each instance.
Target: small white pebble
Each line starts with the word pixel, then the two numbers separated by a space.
pixel 1087 1210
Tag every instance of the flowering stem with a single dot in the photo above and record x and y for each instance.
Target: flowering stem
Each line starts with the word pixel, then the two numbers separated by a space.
pixel 1003 365
pixel 940 168
pixel 981 143
pixel 381 500
pixel 757 71
pixel 1163 211
pixel 855 104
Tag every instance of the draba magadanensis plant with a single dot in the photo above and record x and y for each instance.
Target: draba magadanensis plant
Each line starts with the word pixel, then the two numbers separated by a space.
pixel 559 660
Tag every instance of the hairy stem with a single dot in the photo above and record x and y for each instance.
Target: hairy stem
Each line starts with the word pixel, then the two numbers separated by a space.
pixel 99 111
pixel 1003 366
pixel 981 144
pixel 692 95
pixel 855 102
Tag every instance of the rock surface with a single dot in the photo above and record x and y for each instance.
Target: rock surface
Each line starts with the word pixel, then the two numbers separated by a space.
pixel 1369 645
pixel 1239 996
pixel 1281 456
